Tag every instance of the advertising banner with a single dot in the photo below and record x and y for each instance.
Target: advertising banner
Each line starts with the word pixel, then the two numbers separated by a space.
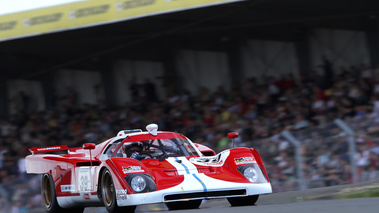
pixel 89 13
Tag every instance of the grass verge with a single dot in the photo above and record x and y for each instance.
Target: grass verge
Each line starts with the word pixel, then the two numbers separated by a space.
pixel 359 194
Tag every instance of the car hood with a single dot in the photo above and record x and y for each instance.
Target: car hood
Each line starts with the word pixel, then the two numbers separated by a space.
pixel 173 170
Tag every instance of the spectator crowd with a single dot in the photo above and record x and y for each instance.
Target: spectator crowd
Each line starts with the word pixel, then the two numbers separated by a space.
pixel 258 110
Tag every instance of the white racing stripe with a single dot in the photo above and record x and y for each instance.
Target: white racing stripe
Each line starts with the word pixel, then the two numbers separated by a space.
pixel 183 166
pixel 186 168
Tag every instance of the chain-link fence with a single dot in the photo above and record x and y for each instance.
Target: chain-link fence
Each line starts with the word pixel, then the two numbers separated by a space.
pixel 320 156
pixel 324 155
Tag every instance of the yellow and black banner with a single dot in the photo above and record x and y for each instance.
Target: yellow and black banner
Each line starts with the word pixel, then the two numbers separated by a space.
pixel 89 13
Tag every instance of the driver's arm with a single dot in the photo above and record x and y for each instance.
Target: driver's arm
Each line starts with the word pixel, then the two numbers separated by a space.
pixel 136 156
pixel 139 156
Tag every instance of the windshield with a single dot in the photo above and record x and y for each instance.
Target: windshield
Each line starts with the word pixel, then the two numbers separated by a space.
pixel 155 149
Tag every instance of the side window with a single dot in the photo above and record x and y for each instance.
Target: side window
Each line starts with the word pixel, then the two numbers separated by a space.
pixel 171 148
pixel 111 149
pixel 155 150
pixel 188 147
pixel 169 145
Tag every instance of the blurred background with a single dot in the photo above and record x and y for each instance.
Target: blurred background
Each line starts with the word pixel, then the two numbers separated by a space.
pixel 298 80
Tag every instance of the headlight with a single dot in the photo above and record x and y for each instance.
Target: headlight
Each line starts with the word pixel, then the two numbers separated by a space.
pixel 251 174
pixel 138 184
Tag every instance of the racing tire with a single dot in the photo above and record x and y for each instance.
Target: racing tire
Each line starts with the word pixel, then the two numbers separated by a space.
pixel 108 195
pixel 190 204
pixel 243 201
pixel 49 197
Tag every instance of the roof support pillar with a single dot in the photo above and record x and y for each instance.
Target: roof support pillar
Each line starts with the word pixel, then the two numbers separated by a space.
pixel 303 52
pixel 235 61
pixel 107 75
pixel 171 81
pixel 373 44
pixel 3 100
pixel 48 84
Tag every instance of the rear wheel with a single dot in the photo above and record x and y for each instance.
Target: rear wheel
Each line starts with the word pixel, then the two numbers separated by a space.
pixel 243 201
pixel 108 193
pixel 190 204
pixel 49 197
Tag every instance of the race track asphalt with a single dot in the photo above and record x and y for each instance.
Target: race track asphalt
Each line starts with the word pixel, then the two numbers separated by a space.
pixel 317 200
pixel 361 205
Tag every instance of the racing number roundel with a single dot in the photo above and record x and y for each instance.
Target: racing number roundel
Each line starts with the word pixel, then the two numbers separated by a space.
pixel 84 179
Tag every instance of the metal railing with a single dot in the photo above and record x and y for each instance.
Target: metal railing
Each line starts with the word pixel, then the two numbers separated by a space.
pixel 339 152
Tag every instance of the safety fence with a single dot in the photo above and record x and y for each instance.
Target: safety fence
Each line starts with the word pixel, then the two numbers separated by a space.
pixel 340 152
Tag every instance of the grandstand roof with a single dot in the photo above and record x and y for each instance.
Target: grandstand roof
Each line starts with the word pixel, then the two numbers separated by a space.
pixel 208 28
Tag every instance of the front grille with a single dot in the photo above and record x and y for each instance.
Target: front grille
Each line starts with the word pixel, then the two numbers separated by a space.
pixel 212 194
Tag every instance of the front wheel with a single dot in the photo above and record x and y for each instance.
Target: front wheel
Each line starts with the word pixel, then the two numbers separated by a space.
pixel 243 201
pixel 108 193
pixel 190 204
pixel 49 197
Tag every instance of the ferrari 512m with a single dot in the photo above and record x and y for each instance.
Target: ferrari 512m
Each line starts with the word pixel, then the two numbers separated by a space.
pixel 135 168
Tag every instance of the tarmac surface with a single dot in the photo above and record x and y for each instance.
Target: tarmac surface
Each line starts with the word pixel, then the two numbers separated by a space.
pixel 366 205
pixel 312 200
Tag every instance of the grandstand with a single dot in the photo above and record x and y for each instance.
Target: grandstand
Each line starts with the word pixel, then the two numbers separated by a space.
pixel 235 40
pixel 78 72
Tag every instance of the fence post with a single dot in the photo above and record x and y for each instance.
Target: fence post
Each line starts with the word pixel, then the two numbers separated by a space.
pixel 299 158
pixel 6 199
pixel 352 147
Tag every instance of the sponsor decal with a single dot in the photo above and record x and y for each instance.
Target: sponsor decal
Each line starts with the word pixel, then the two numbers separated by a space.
pixel 125 5
pixel 121 194
pixel 67 188
pixel 121 197
pixel 89 11
pixel 93 13
pixel 7 25
pixel 215 164
pixel 42 19
pixel 131 169
pixel 168 1
pixel 49 148
pixel 121 191
pixel 244 160
pixel 86 196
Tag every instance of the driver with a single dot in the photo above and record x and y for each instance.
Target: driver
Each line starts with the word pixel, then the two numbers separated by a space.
pixel 136 151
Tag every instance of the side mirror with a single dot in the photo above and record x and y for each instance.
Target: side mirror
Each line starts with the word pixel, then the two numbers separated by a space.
pixel 89 146
pixel 152 129
pixel 232 135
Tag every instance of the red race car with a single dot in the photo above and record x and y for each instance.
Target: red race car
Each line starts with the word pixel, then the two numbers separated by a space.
pixel 137 167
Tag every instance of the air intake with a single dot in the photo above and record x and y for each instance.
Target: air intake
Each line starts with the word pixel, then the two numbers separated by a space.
pixel 212 194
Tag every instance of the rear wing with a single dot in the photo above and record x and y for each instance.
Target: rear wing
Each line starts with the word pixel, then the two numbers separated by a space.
pixel 48 149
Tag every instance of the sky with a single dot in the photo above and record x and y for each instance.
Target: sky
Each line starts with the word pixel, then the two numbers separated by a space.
pixel 13 6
